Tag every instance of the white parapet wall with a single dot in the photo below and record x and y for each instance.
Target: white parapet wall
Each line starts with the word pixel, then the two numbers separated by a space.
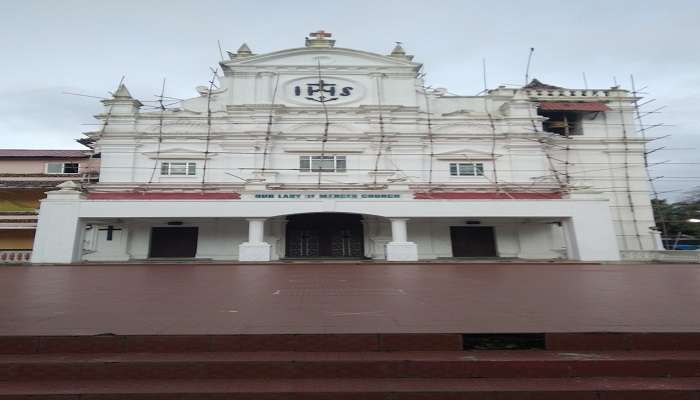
pixel 682 256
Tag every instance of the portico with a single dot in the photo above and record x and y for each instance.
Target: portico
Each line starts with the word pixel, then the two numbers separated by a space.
pixel 393 229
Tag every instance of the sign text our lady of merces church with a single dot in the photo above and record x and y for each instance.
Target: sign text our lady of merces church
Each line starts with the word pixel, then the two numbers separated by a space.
pixel 325 196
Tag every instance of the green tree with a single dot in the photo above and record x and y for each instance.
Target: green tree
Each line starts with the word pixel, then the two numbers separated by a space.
pixel 673 219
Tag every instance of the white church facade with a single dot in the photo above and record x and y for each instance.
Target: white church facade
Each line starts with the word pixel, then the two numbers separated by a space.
pixel 326 152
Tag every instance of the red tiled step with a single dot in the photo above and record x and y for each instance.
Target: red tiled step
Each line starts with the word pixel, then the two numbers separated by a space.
pixel 346 389
pixel 300 365
pixel 623 341
pixel 328 342
pixel 205 343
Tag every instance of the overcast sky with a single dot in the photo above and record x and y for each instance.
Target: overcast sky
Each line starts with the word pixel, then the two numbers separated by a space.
pixel 51 47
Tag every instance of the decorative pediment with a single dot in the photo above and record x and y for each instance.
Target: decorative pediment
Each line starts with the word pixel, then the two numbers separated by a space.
pixel 178 153
pixel 458 113
pixel 327 149
pixel 466 154
pixel 328 57
pixel 318 129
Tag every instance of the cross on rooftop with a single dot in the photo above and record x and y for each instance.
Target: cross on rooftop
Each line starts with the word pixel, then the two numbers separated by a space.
pixel 320 34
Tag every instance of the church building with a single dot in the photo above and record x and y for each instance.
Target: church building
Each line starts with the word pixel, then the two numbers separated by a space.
pixel 324 152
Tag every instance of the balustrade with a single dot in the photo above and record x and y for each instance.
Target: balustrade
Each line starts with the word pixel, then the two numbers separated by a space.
pixel 15 256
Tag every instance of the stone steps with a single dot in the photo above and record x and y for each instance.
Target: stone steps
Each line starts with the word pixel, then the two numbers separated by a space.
pixel 351 366
pixel 365 389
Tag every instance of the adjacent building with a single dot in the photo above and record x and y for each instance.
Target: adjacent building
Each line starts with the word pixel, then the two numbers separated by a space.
pixel 328 152
pixel 25 176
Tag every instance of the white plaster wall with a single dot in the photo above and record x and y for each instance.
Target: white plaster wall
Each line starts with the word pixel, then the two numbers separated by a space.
pixel 519 238
pixel 96 247
pixel 219 238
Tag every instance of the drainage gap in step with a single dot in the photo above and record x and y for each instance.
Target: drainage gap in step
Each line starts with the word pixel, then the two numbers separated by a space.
pixel 503 341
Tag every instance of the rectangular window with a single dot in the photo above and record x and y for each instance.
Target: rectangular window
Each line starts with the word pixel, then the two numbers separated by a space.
pixel 178 168
pixel 322 164
pixel 466 169
pixel 62 168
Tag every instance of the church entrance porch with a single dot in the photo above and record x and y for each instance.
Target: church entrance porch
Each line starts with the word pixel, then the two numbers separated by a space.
pixel 321 236
pixel 324 235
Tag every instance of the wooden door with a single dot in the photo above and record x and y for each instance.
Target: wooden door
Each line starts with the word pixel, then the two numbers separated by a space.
pixel 473 241
pixel 179 242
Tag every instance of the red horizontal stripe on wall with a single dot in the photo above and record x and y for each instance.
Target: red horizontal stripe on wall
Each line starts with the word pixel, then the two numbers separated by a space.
pixel 163 196
pixel 486 196
pixel 573 106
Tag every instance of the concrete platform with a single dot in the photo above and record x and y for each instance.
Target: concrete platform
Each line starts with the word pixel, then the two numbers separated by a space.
pixel 300 298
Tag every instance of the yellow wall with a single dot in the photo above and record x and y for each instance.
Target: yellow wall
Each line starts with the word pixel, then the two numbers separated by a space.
pixel 16 239
pixel 20 200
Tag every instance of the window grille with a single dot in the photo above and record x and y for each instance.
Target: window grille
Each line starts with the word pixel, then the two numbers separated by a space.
pixel 322 164
pixel 466 169
pixel 178 168
pixel 62 168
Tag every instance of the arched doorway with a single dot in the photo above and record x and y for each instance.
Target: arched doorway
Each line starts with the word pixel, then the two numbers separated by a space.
pixel 324 235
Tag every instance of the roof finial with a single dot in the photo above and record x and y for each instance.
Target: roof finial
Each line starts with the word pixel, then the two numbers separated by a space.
pixel 121 101
pixel 320 38
pixel 399 52
pixel 122 92
pixel 536 84
pixel 244 51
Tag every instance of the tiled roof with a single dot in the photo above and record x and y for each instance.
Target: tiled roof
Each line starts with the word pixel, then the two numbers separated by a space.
pixel 23 153
pixel 32 184
pixel 536 84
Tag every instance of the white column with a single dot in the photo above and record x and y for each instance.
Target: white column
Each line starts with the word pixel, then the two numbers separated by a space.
pixel 400 249
pixel 591 238
pixel 256 230
pixel 58 237
pixel 255 249
pixel 398 230
pixel 570 239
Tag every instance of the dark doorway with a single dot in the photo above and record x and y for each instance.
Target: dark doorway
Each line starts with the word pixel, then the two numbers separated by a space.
pixel 180 242
pixel 473 241
pixel 325 235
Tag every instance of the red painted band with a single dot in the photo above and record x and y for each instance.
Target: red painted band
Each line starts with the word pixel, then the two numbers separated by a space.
pixel 486 196
pixel 163 196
